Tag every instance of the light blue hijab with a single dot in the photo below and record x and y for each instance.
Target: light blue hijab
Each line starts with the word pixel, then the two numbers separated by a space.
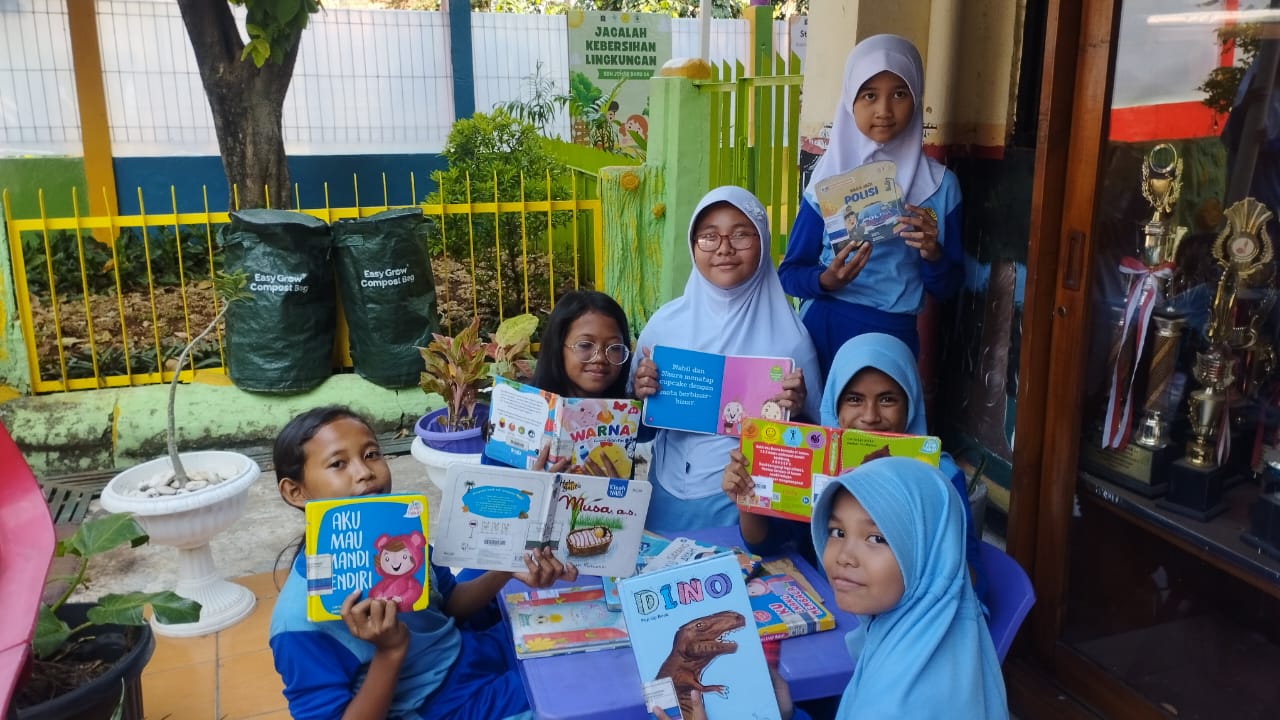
pixel 930 656
pixel 890 356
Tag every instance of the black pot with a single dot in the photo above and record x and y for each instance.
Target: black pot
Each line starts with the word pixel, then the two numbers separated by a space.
pixel 128 648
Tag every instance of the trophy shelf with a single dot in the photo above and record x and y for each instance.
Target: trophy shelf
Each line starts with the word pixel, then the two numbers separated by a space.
pixel 1216 542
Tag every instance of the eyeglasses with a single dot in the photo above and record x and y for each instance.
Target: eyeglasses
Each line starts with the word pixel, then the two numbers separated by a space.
pixel 738 240
pixel 586 351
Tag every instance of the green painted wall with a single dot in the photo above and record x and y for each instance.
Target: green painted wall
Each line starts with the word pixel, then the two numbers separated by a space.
pixel 25 177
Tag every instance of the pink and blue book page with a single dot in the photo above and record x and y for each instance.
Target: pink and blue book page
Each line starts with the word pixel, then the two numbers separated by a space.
pixel 709 393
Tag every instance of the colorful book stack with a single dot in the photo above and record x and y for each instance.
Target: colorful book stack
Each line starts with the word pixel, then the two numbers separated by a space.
pixel 555 621
pixel 784 608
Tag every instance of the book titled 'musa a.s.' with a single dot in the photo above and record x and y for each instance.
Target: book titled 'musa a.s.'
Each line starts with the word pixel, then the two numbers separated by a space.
pixel 692 628
pixel 376 544
pixel 489 517
pixel 709 393
pixel 584 430
pixel 862 205
pixel 791 463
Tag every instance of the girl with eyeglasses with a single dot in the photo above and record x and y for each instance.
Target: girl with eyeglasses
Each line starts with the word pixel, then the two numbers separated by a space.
pixel 732 305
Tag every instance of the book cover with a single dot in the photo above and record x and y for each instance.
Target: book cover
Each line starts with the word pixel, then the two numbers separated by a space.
pixel 784 459
pixel 651 544
pixel 713 394
pixel 582 429
pixel 692 625
pixel 490 516
pixel 376 544
pixel 554 621
pixel 862 205
pixel 859 446
pixel 783 608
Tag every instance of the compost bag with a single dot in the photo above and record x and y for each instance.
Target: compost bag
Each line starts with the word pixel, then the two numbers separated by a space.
pixel 280 338
pixel 388 293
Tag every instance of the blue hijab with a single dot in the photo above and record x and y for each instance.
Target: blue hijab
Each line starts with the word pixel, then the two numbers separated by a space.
pixel 930 655
pixel 890 356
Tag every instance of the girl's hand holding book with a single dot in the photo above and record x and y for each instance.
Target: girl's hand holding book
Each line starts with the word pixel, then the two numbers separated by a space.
pixel 646 380
pixel 374 620
pixel 540 462
pixel 736 481
pixel 545 569
pixel 845 266
pixel 920 231
pixel 793 393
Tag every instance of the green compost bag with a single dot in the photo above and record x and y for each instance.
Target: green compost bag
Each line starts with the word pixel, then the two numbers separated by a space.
pixel 280 338
pixel 388 293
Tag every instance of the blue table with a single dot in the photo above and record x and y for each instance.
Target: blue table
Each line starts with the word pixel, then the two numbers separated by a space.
pixel 605 684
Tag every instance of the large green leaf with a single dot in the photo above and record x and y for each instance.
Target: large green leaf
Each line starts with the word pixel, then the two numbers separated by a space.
pixel 99 535
pixel 50 633
pixel 167 606
pixel 514 329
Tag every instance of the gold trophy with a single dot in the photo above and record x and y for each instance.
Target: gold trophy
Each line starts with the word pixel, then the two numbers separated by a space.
pixel 1243 249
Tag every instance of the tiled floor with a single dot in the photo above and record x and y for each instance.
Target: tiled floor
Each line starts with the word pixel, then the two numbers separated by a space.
pixel 225 676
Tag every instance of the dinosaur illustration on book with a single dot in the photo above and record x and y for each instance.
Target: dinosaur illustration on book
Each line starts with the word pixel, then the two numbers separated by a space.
pixel 696 644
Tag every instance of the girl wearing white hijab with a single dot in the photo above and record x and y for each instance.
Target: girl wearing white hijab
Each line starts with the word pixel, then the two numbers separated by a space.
pixel 877 289
pixel 732 305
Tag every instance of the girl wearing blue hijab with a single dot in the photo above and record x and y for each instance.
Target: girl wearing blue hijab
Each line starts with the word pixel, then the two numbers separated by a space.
pixel 890 535
pixel 873 385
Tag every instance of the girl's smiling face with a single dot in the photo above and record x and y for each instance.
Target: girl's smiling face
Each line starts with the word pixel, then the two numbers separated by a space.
pixel 883 107
pixel 343 459
pixel 594 377
pixel 864 573
pixel 726 267
pixel 873 401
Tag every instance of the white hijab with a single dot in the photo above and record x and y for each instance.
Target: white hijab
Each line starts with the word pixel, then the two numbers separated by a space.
pixel 847 148
pixel 753 318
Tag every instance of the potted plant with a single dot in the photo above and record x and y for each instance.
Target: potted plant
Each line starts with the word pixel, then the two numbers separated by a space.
pixel 87 658
pixel 458 369
pixel 185 499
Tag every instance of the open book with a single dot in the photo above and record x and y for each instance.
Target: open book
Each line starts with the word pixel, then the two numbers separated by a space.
pixel 692 627
pixel 862 205
pixel 708 393
pixel 490 516
pixel 581 429
pixel 376 544
pixel 790 463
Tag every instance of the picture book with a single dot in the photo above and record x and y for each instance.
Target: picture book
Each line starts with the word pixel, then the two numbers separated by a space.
pixel 790 463
pixel 709 393
pixel 490 516
pixel 683 550
pixel 554 621
pixel 376 544
pixel 651 544
pixel 585 430
pixel 692 625
pixel 783 608
pixel 862 205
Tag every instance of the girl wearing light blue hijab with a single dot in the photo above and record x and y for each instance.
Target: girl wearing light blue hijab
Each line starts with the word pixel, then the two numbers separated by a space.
pixel 922 648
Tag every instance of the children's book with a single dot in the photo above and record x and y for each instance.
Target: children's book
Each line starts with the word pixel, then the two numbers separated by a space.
pixel 791 463
pixel 651 544
pixel 692 625
pixel 783 608
pixel 581 429
pixel 862 205
pixel 489 517
pixel 709 393
pixel 554 621
pixel 376 544
pixel 657 552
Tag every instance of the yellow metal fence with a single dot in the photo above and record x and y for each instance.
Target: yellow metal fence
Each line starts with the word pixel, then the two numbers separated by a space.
pixel 110 300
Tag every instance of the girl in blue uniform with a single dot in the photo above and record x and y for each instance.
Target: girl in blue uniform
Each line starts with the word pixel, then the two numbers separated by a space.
pixel 877 289
pixel 378 663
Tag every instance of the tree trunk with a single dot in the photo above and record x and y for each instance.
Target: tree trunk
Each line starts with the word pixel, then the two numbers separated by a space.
pixel 247 104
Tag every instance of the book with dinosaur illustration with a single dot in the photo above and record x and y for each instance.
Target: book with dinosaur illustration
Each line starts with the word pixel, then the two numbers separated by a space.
pixel 784 608
pixel 709 393
pixel 790 463
pixel 554 621
pixel 489 517
pixel 692 625
pixel 585 430
pixel 862 205
pixel 376 544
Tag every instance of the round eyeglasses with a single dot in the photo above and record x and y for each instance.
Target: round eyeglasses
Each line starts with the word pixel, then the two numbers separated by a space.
pixel 586 351
pixel 738 240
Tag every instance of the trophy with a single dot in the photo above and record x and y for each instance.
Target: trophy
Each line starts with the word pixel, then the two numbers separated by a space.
pixel 1243 250
pixel 1141 466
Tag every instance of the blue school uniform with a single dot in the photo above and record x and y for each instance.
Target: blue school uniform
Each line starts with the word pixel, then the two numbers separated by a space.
pixel 447 674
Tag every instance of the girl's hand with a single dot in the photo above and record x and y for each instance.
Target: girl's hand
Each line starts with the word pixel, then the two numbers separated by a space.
pixel 540 462
pixel 374 621
pixel 605 468
pixel 736 481
pixel 920 231
pixel 698 711
pixel 793 392
pixel 646 381
pixel 845 266
pixel 545 569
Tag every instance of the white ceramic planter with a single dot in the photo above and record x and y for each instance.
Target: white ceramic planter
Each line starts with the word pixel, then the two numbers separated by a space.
pixel 437 462
pixel 188 522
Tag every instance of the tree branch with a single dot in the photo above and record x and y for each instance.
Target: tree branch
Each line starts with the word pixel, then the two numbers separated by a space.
pixel 214 36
